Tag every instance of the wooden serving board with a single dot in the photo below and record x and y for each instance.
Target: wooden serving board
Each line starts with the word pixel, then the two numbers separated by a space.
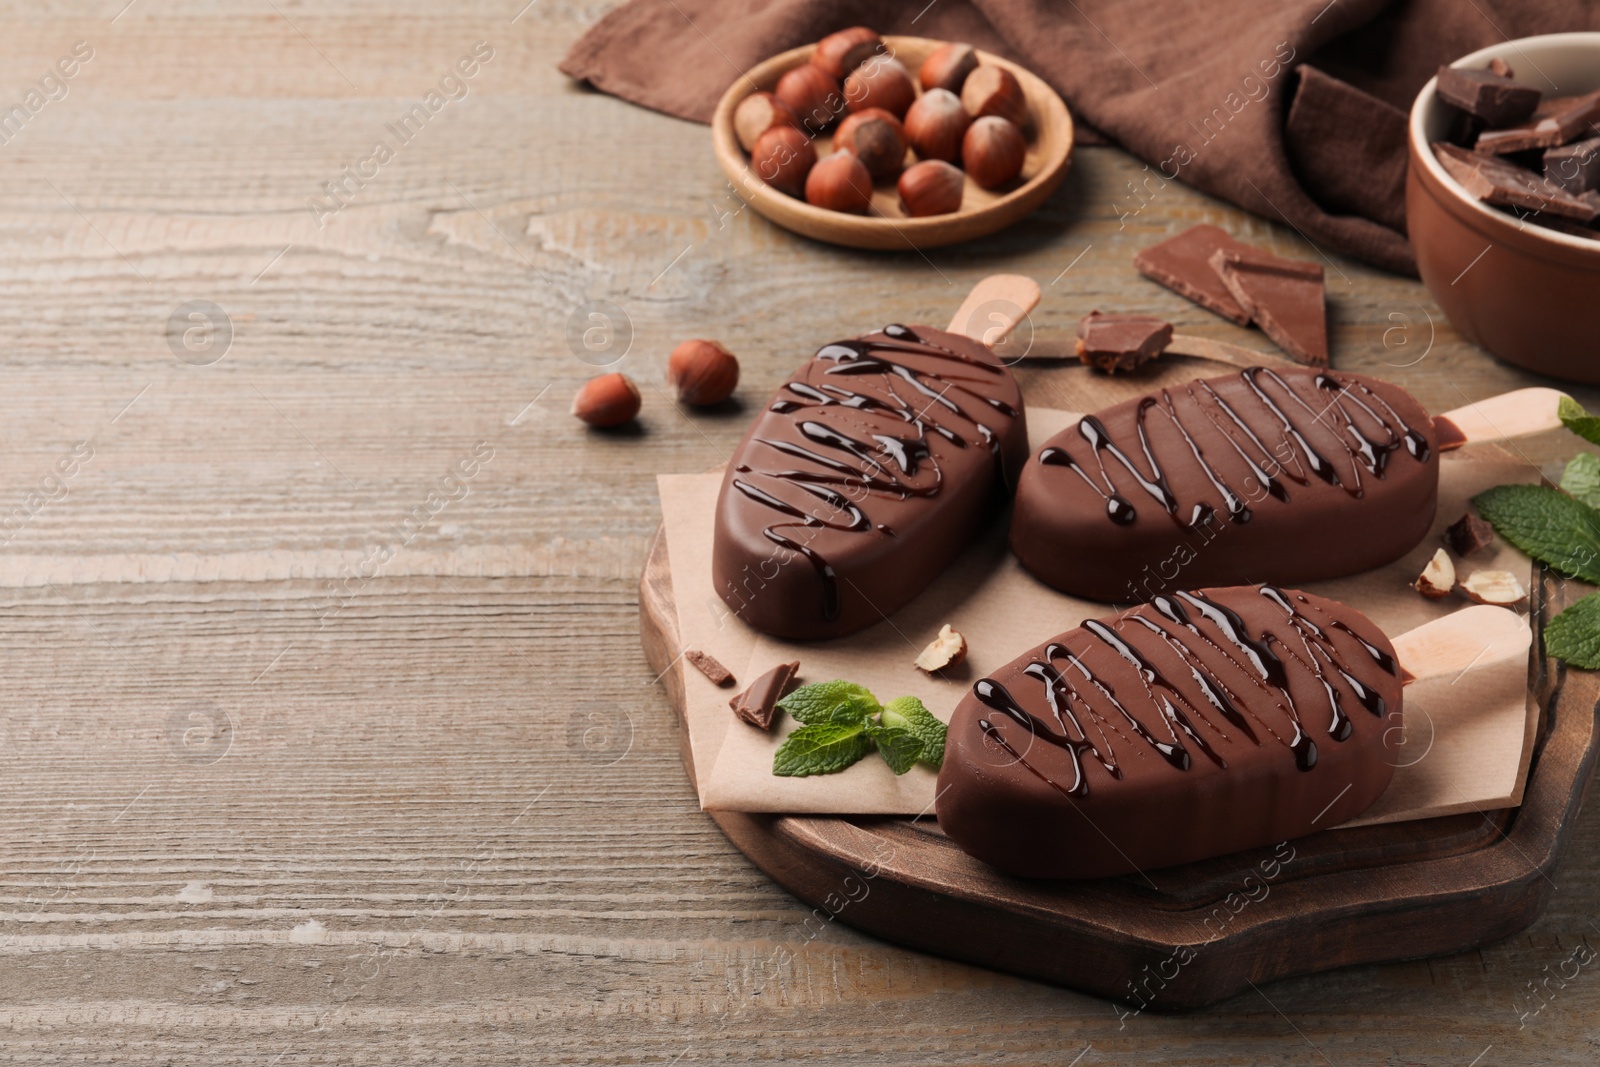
pixel 1347 896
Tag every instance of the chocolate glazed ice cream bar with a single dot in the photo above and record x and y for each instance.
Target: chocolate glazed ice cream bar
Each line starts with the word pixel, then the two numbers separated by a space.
pixel 1199 724
pixel 1276 474
pixel 875 464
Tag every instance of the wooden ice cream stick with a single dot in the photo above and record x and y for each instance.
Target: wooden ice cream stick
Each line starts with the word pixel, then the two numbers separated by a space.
pixel 1515 414
pixel 1464 640
pixel 994 307
pixel 1184 344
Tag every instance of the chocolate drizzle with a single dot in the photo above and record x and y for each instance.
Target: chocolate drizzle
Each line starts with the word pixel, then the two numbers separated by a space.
pixel 890 379
pixel 1269 435
pixel 1249 695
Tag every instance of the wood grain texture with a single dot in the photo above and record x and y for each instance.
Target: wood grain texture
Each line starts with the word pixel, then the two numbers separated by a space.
pixel 450 822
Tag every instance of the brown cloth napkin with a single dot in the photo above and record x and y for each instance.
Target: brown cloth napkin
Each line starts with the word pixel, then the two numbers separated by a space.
pixel 1292 110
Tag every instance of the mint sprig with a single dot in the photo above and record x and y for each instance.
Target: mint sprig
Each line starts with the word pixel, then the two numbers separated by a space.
pixel 1560 528
pixel 843 722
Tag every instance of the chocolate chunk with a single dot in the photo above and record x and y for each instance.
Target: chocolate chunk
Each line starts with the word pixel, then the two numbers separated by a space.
pixel 1468 534
pixel 1502 68
pixel 707 665
pixel 1496 181
pixel 1195 726
pixel 1555 122
pixel 1485 95
pixel 1574 167
pixel 1282 474
pixel 1111 343
pixel 873 467
pixel 1284 297
pixel 758 705
pixel 1183 264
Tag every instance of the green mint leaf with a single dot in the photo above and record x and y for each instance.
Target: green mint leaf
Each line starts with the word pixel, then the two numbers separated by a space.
pixel 1575 418
pixel 1574 635
pixel 899 747
pixel 835 701
pixel 1548 525
pixel 1582 478
pixel 909 713
pixel 821 748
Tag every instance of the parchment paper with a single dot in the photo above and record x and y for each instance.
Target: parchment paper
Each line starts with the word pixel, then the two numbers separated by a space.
pixel 1468 738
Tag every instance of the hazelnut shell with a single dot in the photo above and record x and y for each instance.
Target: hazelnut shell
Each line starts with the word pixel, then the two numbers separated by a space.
pixel 876 138
pixel 702 372
pixel 992 151
pixel 782 158
pixel 609 400
pixel 993 90
pixel 839 182
pixel 932 187
pixel 880 82
pixel 758 113
pixel 948 66
pixel 812 94
pixel 935 124
pixel 840 53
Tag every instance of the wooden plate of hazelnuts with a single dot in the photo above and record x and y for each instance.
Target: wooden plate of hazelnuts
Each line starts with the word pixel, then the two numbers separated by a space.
pixel 892 142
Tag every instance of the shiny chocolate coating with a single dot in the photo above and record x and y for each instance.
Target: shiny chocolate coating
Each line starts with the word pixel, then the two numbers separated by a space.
pixel 1196 725
pixel 875 464
pixel 1284 475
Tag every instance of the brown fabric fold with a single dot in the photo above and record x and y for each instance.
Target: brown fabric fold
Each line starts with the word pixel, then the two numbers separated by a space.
pixel 1199 91
pixel 1332 123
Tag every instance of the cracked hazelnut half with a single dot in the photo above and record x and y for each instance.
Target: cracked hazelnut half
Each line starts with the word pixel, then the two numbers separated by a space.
pixel 946 650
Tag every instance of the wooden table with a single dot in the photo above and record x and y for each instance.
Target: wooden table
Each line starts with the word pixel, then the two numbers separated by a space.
pixel 319 754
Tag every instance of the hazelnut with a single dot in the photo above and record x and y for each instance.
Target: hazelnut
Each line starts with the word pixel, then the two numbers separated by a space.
pixel 609 400
pixel 783 156
pixel 812 94
pixel 935 125
pixel 992 151
pixel 880 82
pixel 995 91
pixel 946 650
pixel 758 113
pixel 840 182
pixel 932 187
pixel 840 53
pixel 702 372
pixel 948 67
pixel 1437 578
pixel 1499 588
pixel 876 138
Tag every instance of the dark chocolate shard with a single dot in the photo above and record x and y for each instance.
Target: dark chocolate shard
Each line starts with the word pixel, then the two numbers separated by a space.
pixel 1503 184
pixel 1279 474
pixel 1110 343
pixel 873 467
pixel 1575 167
pixel 1492 98
pixel 1555 122
pixel 1468 535
pixel 1197 725
pixel 708 665
pixel 1285 297
pixel 758 705
pixel 1183 264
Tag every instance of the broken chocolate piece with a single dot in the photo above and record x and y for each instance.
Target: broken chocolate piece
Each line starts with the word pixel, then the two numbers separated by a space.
pixel 1110 343
pixel 1485 95
pixel 1574 167
pixel 1183 264
pixel 1197 725
pixel 1468 534
pixel 1496 181
pixel 707 665
pixel 758 705
pixel 1555 122
pixel 1284 297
